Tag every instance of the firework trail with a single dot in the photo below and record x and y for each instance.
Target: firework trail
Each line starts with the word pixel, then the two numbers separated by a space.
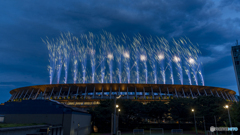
pixel 110 57
pixel 151 48
pixel 123 59
pixel 161 49
pixel 102 57
pixel 60 63
pixel 66 53
pixel 177 59
pixel 126 56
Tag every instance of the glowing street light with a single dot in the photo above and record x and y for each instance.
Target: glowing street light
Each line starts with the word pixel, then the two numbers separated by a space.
pixel 110 56
pixel 229 117
pixel 176 59
pixel 195 121
pixel 118 118
pixel 160 56
pixel 143 58
pixel 119 111
pixel 126 55
pixel 117 106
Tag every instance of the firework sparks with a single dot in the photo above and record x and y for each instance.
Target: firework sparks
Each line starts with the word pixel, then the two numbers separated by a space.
pixel 121 59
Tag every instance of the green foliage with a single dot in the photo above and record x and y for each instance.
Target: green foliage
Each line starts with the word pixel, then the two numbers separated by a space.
pixel 180 108
pixel 2 125
pixel 210 106
pixel 235 114
pixel 156 110
pixel 101 115
pixel 134 113
pixel 131 113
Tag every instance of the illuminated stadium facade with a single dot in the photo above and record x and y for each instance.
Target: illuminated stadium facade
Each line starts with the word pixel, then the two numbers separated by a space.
pixel 89 95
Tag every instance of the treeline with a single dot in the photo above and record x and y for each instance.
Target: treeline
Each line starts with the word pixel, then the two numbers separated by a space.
pixel 177 110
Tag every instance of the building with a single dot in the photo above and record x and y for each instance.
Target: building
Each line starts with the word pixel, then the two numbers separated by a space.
pixel 63 119
pixel 89 95
pixel 235 51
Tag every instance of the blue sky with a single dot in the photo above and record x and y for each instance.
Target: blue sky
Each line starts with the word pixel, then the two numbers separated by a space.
pixel 213 24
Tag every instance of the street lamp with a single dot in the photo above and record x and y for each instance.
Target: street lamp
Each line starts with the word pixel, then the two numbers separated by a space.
pixel 78 128
pixel 195 121
pixel 117 106
pixel 215 123
pixel 117 119
pixel 229 118
pixel 118 114
pixel 119 111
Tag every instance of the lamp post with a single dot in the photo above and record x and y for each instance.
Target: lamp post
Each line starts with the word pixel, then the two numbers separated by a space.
pixel 229 118
pixel 78 128
pixel 118 119
pixel 204 125
pixel 114 116
pixel 195 121
pixel 216 123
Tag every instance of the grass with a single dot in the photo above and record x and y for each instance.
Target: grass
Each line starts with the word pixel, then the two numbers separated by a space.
pixel 147 132
pixel 139 134
pixel 18 125
pixel 167 132
pixel 144 134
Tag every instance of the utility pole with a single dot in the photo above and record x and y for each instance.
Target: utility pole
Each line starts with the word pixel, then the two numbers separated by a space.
pixel 204 125
pixel 215 123
pixel 195 121
pixel 118 120
pixel 114 116
pixel 78 128
pixel 229 118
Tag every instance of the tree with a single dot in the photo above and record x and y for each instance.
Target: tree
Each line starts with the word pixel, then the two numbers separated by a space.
pixel 210 106
pixel 180 108
pixel 132 113
pixel 156 110
pixel 235 114
pixel 101 115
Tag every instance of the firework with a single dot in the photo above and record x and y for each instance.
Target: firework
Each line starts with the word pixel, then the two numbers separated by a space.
pixel 106 58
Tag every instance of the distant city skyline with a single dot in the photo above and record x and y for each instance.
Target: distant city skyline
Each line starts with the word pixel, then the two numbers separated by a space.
pixel 212 24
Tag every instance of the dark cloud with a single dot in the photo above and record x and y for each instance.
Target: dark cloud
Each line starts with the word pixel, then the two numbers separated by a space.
pixel 231 4
pixel 213 25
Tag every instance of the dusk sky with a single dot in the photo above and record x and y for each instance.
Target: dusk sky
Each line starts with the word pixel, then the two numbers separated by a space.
pixel 213 24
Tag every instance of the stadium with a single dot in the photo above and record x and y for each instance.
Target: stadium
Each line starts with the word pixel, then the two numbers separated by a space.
pixel 104 66
pixel 89 95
